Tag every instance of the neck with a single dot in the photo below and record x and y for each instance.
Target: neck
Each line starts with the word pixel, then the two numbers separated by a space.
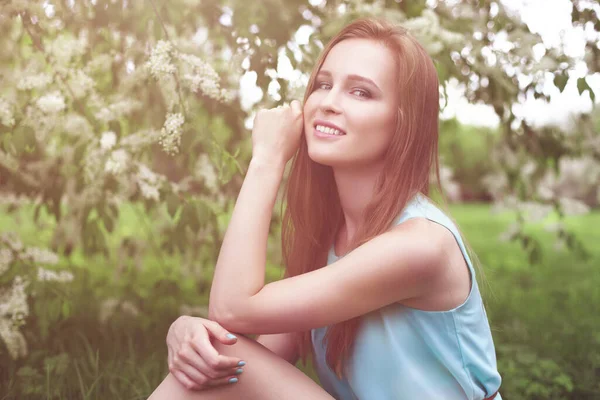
pixel 356 188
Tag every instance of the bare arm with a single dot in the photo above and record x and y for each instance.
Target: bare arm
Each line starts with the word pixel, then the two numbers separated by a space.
pixel 240 270
pixel 404 263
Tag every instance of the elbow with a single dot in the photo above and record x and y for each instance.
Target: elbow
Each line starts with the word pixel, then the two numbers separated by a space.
pixel 223 317
pixel 233 318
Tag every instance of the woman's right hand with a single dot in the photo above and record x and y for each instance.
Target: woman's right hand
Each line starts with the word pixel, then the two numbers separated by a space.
pixel 193 360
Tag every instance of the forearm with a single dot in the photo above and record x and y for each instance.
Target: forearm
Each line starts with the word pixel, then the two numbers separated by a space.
pixel 240 270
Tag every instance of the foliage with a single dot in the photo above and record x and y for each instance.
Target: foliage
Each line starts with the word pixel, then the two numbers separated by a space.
pixel 548 346
pixel 128 111
pixel 466 149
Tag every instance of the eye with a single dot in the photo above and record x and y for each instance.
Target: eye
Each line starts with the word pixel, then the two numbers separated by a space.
pixel 321 84
pixel 361 93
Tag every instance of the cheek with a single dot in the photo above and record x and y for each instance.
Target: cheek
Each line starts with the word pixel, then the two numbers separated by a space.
pixel 310 105
pixel 379 125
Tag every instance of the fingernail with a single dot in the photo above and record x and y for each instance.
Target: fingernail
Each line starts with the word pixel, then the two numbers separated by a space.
pixel 233 380
pixel 238 371
pixel 241 363
pixel 231 336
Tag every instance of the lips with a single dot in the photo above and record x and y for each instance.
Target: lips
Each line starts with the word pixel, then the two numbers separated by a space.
pixel 330 126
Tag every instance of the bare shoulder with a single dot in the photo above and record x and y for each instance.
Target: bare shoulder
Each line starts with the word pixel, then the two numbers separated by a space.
pixel 432 237
pixel 449 282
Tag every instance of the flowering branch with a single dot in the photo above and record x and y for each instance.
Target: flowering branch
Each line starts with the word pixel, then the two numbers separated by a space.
pixel 177 83
pixel 38 45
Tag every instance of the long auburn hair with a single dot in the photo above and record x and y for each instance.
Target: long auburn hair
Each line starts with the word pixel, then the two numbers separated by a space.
pixel 313 214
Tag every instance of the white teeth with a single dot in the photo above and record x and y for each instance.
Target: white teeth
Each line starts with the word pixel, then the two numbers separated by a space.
pixel 329 131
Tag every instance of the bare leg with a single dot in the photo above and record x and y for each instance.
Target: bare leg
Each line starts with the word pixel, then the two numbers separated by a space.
pixel 266 377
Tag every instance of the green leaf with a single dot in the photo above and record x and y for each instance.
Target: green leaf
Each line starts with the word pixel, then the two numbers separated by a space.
pixel 66 309
pixel 109 222
pixel 583 85
pixel 173 204
pixel 190 217
pixel 560 81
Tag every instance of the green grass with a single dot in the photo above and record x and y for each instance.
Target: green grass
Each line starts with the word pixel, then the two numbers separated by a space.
pixel 539 314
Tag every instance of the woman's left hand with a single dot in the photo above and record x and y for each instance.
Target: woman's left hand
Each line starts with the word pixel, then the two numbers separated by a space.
pixel 276 133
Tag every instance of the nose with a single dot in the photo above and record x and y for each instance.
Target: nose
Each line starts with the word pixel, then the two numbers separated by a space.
pixel 331 103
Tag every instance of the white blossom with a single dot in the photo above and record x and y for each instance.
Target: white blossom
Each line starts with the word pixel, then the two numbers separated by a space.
pixel 170 135
pixel 203 78
pixel 6 113
pixel 205 169
pixel 11 240
pixel 46 275
pixel 148 182
pixel 65 47
pixel 13 311
pixel 535 212
pixel 129 40
pixel 92 166
pixel 117 162
pixel 159 63
pixel 40 256
pixel 108 140
pixel 80 83
pixel 117 110
pixel 496 183
pixel 6 259
pixel 544 191
pixel 78 126
pixel 13 339
pixel 111 305
pixel 553 227
pixel 545 64
pixel 577 179
pixel 100 63
pixel 138 140
pixel 51 103
pixel 433 47
pixel 450 38
pixel 38 81
pixel 573 207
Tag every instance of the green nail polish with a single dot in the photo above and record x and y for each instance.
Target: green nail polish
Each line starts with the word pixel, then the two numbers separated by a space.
pixel 233 380
pixel 241 363
pixel 238 371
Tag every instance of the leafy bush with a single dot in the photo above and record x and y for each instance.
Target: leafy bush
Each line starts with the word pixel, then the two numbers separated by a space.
pixel 543 317
pixel 466 151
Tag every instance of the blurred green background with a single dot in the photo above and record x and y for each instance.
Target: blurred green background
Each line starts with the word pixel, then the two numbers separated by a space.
pixel 124 137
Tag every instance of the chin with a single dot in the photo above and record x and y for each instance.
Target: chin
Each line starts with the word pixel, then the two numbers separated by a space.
pixel 327 158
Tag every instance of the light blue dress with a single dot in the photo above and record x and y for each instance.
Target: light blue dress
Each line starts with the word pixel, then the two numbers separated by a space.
pixel 402 353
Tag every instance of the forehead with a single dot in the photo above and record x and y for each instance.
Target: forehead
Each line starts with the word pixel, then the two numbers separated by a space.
pixel 363 57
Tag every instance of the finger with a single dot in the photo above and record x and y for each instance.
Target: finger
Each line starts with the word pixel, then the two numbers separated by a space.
pixel 210 355
pixel 197 376
pixel 170 357
pixel 221 334
pixel 218 374
pixel 296 106
pixel 199 370
pixel 228 380
pixel 188 355
pixel 184 379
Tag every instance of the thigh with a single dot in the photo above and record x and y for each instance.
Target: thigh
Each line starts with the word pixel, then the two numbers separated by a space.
pixel 266 377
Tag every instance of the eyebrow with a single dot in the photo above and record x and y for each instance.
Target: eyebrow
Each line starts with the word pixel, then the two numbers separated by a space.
pixel 351 77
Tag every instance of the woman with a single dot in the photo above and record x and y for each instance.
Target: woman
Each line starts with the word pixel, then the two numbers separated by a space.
pixel 379 287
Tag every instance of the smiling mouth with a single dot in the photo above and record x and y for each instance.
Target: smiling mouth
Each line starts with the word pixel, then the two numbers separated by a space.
pixel 329 131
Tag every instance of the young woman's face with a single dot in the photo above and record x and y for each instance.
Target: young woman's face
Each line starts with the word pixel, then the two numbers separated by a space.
pixel 355 93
